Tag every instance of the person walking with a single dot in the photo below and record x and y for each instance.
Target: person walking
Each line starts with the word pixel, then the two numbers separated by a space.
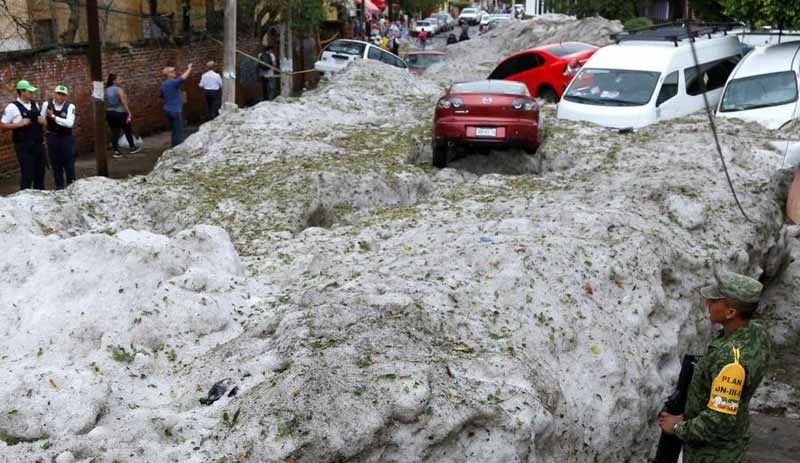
pixel 173 100
pixel 118 116
pixel 423 39
pixel 23 118
pixel 716 424
pixel 211 83
pixel 267 72
pixel 395 44
pixel 464 34
pixel 59 115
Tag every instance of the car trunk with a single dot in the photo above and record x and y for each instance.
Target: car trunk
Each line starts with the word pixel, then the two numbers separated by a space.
pixel 487 105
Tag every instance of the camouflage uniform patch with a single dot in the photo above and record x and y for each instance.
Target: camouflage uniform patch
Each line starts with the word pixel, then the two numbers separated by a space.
pixel 710 436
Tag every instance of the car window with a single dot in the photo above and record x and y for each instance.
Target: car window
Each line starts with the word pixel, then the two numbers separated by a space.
pixel 374 53
pixel 612 87
pixel 760 91
pixel 710 76
pixel 669 88
pixel 346 47
pixel 516 64
pixel 422 60
pixel 491 86
pixel 423 23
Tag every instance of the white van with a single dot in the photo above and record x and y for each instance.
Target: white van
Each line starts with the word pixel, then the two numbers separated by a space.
pixel 763 87
pixel 649 77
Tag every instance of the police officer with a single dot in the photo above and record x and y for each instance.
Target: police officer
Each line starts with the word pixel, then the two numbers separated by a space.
pixel 23 118
pixel 60 117
pixel 716 424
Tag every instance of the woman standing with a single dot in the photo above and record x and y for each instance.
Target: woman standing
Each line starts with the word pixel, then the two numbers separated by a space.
pixel 118 115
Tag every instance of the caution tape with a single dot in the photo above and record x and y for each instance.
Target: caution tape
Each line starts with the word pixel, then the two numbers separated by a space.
pixel 278 70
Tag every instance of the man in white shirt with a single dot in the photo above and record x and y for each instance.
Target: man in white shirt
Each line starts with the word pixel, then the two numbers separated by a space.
pixel 59 115
pixel 22 118
pixel 211 83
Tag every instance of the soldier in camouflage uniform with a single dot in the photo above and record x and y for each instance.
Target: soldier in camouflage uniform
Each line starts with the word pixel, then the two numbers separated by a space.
pixel 716 425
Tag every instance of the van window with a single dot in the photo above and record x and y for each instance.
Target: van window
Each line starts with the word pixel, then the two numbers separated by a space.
pixel 714 74
pixel 374 53
pixel 516 65
pixel 612 87
pixel 762 91
pixel 346 47
pixel 669 88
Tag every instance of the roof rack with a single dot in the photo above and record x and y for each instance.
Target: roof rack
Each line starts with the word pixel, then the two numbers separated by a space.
pixel 676 31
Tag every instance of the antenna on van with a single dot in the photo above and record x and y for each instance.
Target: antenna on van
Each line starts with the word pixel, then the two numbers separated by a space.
pixel 714 130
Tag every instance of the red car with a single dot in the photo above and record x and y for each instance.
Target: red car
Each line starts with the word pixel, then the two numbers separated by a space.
pixel 547 70
pixel 485 114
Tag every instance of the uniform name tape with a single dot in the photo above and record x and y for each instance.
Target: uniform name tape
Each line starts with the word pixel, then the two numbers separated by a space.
pixel 726 389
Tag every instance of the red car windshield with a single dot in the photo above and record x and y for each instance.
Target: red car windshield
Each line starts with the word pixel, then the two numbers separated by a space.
pixel 566 49
pixel 491 86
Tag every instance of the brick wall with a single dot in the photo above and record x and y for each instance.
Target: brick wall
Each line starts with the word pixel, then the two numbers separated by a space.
pixel 139 68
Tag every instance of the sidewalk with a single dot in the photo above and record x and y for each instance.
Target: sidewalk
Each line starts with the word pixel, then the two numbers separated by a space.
pixel 140 163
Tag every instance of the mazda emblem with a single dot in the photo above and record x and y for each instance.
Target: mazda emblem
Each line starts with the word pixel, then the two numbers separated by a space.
pixel 487 100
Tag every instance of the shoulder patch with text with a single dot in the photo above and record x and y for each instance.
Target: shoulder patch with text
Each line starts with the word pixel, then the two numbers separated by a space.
pixel 726 389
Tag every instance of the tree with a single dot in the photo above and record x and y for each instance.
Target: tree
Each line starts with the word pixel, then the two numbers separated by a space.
pixel 779 14
pixel 709 10
pixel 609 9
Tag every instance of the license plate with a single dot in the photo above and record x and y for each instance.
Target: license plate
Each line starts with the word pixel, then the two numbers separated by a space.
pixel 485 132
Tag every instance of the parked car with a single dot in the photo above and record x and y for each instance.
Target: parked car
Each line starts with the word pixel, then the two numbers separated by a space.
pixel 485 114
pixel 763 87
pixel 449 22
pixel 419 61
pixel 469 16
pixel 424 25
pixel 437 25
pixel 339 53
pixel 545 70
pixel 488 17
pixel 650 77
pixel 495 23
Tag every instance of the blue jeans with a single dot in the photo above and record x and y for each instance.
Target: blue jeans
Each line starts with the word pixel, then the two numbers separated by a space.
pixel 176 126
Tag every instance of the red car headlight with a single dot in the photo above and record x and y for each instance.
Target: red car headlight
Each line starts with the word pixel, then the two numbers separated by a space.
pixel 524 105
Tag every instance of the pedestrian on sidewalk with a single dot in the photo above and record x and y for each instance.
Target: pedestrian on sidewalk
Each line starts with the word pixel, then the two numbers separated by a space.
pixel 267 72
pixel 173 100
pixel 24 119
pixel 211 83
pixel 118 116
pixel 59 114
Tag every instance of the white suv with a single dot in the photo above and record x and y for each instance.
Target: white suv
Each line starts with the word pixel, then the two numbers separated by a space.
pixel 470 16
pixel 340 53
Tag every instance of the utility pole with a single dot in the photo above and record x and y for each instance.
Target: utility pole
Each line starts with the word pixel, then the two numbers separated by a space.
pixel 98 93
pixel 229 57
pixel 363 15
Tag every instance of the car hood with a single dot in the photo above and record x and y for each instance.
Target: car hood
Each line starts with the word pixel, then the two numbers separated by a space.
pixel 615 117
pixel 773 117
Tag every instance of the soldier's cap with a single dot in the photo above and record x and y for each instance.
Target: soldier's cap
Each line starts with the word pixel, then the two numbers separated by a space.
pixel 62 90
pixel 25 85
pixel 733 286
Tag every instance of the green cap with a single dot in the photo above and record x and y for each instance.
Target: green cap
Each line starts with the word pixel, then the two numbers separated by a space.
pixel 62 89
pixel 734 286
pixel 25 85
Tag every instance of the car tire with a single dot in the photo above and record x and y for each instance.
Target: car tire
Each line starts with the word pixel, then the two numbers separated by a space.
pixel 547 94
pixel 439 155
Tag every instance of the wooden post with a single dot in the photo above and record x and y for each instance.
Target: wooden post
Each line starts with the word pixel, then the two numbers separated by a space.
pixel 229 57
pixel 98 94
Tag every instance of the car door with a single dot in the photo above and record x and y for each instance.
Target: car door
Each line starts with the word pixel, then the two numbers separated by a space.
pixel 668 103
pixel 525 68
